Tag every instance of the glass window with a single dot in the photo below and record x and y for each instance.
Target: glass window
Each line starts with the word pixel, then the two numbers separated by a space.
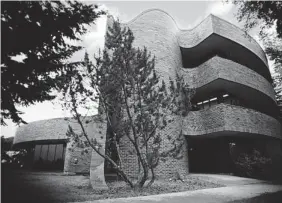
pixel 37 151
pixel 49 157
pixel 44 152
pixel 51 152
pixel 59 152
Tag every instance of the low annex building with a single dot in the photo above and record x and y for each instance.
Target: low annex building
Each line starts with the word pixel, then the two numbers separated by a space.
pixel 234 100
pixel 49 148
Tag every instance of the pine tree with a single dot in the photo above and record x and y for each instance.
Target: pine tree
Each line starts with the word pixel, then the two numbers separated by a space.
pixel 38 31
pixel 132 98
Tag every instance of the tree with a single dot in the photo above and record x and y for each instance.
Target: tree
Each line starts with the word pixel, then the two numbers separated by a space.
pixel 265 15
pixel 38 32
pixel 132 99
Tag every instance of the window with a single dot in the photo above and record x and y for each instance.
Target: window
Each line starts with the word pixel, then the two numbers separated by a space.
pixel 49 156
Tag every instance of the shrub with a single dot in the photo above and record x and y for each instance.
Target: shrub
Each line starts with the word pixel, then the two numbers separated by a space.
pixel 253 165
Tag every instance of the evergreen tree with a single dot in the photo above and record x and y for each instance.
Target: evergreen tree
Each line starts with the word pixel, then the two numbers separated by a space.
pixel 132 98
pixel 37 30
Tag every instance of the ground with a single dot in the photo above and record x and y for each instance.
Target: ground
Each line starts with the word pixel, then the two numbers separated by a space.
pixel 20 186
pixel 265 198
pixel 43 187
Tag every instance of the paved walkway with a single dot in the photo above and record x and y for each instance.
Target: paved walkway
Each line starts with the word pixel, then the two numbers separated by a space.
pixel 227 180
pixel 214 195
pixel 237 188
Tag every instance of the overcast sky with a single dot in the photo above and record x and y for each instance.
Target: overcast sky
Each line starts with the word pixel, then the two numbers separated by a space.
pixel 187 14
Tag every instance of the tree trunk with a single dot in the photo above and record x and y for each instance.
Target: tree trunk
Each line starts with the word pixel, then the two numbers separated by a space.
pixel 142 181
pixel 152 179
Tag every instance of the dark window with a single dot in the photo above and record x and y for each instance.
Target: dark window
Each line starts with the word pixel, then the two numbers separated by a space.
pixel 49 157
pixel 37 151
pixel 51 152
pixel 44 152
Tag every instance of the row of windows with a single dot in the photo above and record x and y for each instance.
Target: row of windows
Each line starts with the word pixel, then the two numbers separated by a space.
pixel 49 156
pixel 217 100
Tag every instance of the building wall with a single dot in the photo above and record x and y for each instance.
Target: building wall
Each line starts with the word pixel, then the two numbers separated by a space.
pixel 245 64
pixel 158 32
pixel 77 159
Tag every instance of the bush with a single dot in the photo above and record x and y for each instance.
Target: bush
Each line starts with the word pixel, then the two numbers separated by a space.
pixel 13 159
pixel 254 165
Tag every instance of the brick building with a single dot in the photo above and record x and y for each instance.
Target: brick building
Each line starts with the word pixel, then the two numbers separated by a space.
pixel 234 100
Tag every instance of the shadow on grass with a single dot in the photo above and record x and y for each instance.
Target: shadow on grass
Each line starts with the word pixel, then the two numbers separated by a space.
pixel 20 186
pixel 44 187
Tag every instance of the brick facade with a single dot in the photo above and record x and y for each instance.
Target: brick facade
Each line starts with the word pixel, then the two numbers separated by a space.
pixel 158 31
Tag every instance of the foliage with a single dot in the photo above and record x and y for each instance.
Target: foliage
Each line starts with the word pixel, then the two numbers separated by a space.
pixel 253 164
pixel 132 98
pixel 6 143
pixel 9 157
pixel 255 12
pixel 266 15
pixel 41 32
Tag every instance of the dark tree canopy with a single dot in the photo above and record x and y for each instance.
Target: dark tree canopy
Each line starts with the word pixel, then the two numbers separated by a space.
pixel 38 31
pixel 269 12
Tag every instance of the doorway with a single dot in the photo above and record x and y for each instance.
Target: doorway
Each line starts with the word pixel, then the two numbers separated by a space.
pixel 209 155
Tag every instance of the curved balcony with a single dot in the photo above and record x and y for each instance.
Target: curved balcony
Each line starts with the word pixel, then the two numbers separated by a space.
pixel 230 120
pixel 214 36
pixel 174 48
pixel 218 74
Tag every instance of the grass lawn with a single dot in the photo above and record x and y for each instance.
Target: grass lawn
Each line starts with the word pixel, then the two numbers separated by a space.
pixel 19 186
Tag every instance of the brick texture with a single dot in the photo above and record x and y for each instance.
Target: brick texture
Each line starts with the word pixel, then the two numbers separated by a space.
pixel 217 67
pixel 225 118
pixel 157 30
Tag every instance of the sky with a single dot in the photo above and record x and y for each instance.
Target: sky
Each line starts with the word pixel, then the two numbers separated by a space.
pixel 187 14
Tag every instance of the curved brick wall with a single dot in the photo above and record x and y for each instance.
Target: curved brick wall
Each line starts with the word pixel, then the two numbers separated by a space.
pixel 172 47
pixel 213 24
pixel 217 67
pixel 55 129
pixel 51 129
pixel 214 36
pixel 157 31
pixel 230 118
